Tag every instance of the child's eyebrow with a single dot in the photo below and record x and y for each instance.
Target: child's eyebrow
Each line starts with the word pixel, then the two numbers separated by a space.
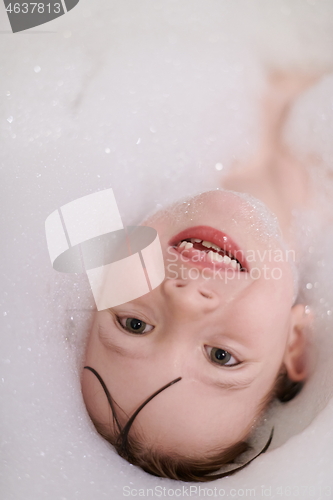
pixel 116 346
pixel 235 383
pixel 232 384
pixel 126 353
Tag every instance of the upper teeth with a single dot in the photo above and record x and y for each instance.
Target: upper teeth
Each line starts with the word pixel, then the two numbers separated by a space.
pixel 214 256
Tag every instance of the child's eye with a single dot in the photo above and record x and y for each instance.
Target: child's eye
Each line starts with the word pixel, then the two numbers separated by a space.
pixel 220 356
pixel 135 325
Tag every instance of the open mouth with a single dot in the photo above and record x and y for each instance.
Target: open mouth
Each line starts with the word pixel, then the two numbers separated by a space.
pixel 208 246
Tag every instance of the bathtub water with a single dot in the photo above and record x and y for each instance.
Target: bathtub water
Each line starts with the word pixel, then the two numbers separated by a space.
pixel 154 99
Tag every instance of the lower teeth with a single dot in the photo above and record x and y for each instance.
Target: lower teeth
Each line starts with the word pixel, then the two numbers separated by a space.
pixel 214 256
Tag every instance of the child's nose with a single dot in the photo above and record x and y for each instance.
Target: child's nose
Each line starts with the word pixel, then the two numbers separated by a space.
pixel 192 297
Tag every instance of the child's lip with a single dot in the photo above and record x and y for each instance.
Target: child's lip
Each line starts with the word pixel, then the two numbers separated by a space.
pixel 215 236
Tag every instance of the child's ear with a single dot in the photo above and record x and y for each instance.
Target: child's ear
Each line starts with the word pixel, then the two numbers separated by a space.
pixel 295 357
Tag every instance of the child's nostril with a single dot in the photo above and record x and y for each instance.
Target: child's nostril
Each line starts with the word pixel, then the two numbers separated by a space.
pixel 178 283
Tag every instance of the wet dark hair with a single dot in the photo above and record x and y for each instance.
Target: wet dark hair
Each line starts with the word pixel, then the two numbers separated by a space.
pixel 285 389
pixel 175 466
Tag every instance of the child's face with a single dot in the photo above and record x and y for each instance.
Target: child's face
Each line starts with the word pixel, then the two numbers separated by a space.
pixel 226 334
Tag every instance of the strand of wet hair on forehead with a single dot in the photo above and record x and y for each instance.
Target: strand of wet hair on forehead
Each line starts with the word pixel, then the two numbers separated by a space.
pixel 123 432
pixel 108 395
pixel 127 428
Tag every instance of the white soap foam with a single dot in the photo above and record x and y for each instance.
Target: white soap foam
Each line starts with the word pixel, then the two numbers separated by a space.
pixel 146 98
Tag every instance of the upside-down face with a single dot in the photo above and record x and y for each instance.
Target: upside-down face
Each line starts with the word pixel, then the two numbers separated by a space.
pixel 223 320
